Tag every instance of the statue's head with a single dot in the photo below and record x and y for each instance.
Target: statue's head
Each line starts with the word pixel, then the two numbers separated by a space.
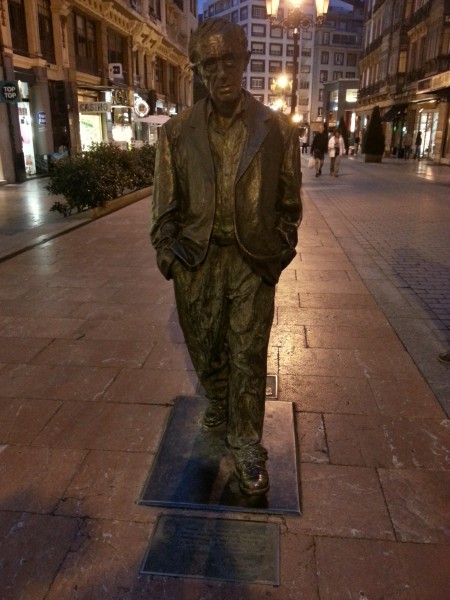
pixel 218 50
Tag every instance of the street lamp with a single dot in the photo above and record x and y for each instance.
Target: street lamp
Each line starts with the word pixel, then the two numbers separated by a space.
pixel 295 20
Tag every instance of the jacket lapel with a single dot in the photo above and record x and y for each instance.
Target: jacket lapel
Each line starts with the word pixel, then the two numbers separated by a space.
pixel 258 127
pixel 199 138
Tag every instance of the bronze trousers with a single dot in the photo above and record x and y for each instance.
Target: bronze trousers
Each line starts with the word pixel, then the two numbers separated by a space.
pixel 226 314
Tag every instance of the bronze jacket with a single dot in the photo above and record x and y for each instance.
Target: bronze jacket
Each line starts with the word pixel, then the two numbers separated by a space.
pixel 267 209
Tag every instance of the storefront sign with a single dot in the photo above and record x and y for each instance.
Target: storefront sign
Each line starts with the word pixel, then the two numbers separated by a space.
pixel 94 107
pixel 141 107
pixel 41 118
pixel 9 91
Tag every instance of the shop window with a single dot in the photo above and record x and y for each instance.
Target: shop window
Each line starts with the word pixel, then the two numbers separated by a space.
pixel 85 44
pixel 46 30
pixel 16 11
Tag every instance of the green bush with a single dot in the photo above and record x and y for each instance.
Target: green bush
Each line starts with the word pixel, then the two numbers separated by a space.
pixel 373 138
pixel 101 174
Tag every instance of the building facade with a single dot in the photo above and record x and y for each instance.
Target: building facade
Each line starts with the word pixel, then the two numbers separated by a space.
pixel 327 53
pixel 77 72
pixel 405 70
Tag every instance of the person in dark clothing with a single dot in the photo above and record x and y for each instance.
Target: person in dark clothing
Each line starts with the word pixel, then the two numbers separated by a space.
pixel 319 148
pixel 418 145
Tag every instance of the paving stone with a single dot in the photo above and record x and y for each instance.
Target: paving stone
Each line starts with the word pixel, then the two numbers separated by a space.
pixel 169 356
pixel 413 398
pixel 361 569
pixel 343 501
pixel 33 479
pixel 22 420
pixel 375 441
pixel 27 327
pixel 101 353
pixel 21 350
pixel 55 382
pixel 326 394
pixel 336 301
pixel 418 504
pixel 105 426
pixel 152 386
pixel 32 548
pixel 313 445
pixel 352 317
pixel 108 486
pixel 355 337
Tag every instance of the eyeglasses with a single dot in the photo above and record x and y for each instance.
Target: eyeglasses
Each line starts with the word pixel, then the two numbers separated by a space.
pixel 211 65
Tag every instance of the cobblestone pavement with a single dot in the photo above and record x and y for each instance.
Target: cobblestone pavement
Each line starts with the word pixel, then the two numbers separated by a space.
pixel 393 221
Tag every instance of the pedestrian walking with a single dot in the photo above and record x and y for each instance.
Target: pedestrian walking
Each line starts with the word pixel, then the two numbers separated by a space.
pixel 336 149
pixel 357 143
pixel 304 143
pixel 226 208
pixel 407 144
pixel 418 145
pixel 319 148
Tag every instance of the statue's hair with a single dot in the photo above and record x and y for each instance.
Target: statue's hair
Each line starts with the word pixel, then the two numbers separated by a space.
pixel 210 27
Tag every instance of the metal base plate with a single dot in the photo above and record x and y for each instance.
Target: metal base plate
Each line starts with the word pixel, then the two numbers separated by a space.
pixel 214 549
pixel 193 468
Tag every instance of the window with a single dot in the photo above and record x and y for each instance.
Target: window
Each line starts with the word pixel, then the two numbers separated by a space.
pixel 351 59
pixel 324 58
pixel 257 66
pixel 304 85
pixel 350 75
pixel 256 83
pixel 85 44
pixel 116 48
pixel 154 9
pixel 338 58
pixel 344 39
pixel 18 26
pixel 258 48
pixel 337 75
pixel 235 16
pixel 258 30
pixel 305 68
pixel 243 13
pixel 259 97
pixel 275 66
pixel 326 37
pixel 306 51
pixel 46 30
pixel 321 94
pixel 258 12
pixel 159 75
pixel 276 32
pixel 323 76
pixel 276 50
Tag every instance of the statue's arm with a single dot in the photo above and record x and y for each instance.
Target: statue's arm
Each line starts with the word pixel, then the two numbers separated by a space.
pixel 165 205
pixel 289 205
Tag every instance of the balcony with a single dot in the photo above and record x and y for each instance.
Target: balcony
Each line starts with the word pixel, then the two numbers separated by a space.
pixel 373 46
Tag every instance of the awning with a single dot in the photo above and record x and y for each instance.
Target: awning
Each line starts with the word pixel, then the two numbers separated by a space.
pixel 154 119
pixel 395 111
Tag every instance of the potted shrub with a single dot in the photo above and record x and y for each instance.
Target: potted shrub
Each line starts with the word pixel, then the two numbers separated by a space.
pixel 373 138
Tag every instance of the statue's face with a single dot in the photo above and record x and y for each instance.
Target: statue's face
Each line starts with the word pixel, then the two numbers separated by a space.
pixel 221 66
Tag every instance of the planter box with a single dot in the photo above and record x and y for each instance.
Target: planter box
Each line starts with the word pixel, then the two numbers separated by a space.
pixel 113 205
pixel 374 158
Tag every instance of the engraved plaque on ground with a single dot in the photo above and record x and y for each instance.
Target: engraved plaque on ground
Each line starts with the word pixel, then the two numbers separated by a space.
pixel 225 549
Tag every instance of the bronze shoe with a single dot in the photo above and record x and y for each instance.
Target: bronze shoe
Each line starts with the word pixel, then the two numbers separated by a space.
pixel 252 474
pixel 215 415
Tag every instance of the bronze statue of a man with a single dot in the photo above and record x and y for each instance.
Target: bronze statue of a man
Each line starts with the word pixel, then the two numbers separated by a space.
pixel 226 208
